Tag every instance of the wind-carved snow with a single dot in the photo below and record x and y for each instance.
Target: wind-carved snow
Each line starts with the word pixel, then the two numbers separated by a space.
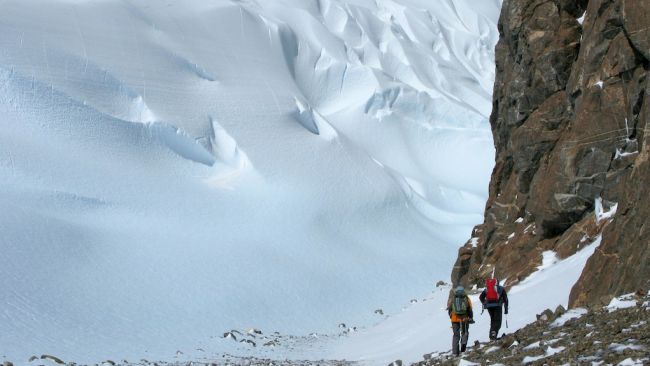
pixel 233 161
pixel 174 171
pixel 182 144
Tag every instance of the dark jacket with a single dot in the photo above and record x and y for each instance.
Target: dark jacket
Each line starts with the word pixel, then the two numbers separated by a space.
pixel 503 299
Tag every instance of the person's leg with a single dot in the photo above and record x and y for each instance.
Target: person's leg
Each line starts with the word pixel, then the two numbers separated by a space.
pixel 456 338
pixel 498 316
pixel 493 329
pixel 465 336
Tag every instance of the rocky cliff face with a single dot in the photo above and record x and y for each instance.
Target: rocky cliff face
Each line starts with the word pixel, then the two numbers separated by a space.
pixel 571 106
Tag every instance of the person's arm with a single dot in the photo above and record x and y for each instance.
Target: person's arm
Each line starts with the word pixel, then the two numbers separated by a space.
pixel 505 300
pixel 482 297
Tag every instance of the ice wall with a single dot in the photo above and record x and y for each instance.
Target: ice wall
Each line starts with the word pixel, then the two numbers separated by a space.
pixel 171 170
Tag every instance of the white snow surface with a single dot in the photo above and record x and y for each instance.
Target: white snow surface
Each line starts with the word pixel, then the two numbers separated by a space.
pixel 549 258
pixel 621 302
pixel 532 345
pixel 173 170
pixel 463 362
pixel 570 314
pixel 617 347
pixel 631 362
pixel 548 353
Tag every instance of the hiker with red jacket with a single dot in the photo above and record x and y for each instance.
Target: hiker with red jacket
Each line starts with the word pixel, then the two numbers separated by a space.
pixel 493 297
pixel 461 315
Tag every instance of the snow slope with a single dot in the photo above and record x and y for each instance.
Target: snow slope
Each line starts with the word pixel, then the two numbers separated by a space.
pixel 172 170
pixel 424 327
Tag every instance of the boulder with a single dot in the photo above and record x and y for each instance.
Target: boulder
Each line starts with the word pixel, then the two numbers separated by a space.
pixel 52 358
pixel 546 316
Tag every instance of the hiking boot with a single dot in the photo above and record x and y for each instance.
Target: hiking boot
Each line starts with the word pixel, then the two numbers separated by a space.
pixel 463 347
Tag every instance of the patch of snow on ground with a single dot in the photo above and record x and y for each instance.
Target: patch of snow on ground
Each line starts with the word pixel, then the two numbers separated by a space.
pixel 550 351
pixel 532 345
pixel 641 323
pixel 464 362
pixel 529 359
pixel 593 359
pixel 617 347
pixel 631 362
pixel 571 314
pixel 621 302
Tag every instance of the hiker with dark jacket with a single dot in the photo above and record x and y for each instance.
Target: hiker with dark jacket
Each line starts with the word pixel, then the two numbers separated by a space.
pixel 493 298
pixel 461 315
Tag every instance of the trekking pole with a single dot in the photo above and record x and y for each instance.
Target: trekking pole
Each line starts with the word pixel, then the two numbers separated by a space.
pixel 506 321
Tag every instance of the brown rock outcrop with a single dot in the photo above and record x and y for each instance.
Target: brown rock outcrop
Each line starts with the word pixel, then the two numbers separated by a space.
pixel 571 108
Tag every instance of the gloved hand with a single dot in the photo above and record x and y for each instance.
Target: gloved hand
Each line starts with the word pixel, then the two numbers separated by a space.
pixel 506 312
pixel 471 321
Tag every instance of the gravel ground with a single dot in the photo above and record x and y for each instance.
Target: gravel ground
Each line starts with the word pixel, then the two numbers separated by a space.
pixel 600 336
